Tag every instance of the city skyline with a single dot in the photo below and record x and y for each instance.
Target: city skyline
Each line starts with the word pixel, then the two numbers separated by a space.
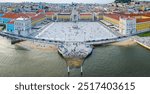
pixel 61 39
pixel 63 1
pixel 66 1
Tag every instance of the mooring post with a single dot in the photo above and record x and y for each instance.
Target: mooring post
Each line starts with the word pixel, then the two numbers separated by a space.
pixel 81 71
pixel 68 71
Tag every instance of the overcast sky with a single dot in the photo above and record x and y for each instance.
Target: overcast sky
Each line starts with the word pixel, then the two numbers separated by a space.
pixel 65 1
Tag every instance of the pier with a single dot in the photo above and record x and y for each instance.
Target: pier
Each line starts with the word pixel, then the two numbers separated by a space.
pixel 143 41
pixel 78 50
pixel 75 49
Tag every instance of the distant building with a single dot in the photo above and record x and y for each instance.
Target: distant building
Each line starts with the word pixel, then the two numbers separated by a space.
pixel 1 14
pixel 22 26
pixel 50 15
pixel 41 11
pixel 73 15
pixel 63 16
pixel 37 18
pixel 10 18
pixel 88 16
pixel 5 18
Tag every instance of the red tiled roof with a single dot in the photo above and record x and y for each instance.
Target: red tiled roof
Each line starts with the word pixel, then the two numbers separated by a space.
pixel 9 15
pixel 118 15
pixel 13 15
pixel 135 14
pixel 114 16
pixel 38 16
pixel 143 20
pixel 40 11
pixel 17 15
pixel 139 14
pixel 85 14
pixel 31 14
pixel 50 13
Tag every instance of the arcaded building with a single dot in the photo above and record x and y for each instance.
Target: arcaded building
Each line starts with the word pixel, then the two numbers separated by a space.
pixel 127 21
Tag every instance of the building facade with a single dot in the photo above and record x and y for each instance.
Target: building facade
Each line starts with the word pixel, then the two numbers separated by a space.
pixel 10 26
pixel 127 26
pixel 22 26
pixel 63 16
pixel 142 21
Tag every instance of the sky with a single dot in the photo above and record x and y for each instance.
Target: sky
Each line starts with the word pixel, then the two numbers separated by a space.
pixel 65 1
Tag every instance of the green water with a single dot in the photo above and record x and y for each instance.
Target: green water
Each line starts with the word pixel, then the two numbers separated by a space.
pixel 104 61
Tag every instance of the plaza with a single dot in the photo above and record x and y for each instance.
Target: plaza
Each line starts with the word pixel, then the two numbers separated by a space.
pixel 75 32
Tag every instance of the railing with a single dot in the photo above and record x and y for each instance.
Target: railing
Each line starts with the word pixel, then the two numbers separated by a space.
pixel 102 41
pixel 15 36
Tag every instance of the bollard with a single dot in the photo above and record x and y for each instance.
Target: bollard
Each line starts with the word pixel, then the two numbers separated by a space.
pixel 81 71
pixel 68 71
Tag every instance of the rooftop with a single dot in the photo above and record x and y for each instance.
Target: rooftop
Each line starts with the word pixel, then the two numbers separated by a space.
pixel 50 13
pixel 12 21
pixel 21 18
pixel 140 17
pixel 85 13
pixel 14 15
pixel 38 16
pixel 17 15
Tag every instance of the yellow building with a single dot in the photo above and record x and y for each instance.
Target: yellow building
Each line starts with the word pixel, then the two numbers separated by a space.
pixel 86 16
pixel 100 16
pixel 50 15
pixel 9 9
pixel 142 8
pixel 142 20
pixel 38 18
pixel 143 26
pixel 111 20
pixel 63 16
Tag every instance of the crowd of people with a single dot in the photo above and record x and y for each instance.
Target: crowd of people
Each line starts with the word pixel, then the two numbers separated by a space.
pixel 144 40
pixel 86 31
pixel 77 49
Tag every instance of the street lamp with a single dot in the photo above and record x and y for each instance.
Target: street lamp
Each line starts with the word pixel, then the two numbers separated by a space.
pixel 84 35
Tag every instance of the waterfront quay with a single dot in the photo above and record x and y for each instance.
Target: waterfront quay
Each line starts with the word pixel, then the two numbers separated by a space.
pixel 75 50
pixel 143 41
pixel 73 30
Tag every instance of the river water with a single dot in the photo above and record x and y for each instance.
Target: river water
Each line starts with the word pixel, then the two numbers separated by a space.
pixel 105 61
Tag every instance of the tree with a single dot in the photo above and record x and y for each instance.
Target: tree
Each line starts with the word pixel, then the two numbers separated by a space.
pixel 122 1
